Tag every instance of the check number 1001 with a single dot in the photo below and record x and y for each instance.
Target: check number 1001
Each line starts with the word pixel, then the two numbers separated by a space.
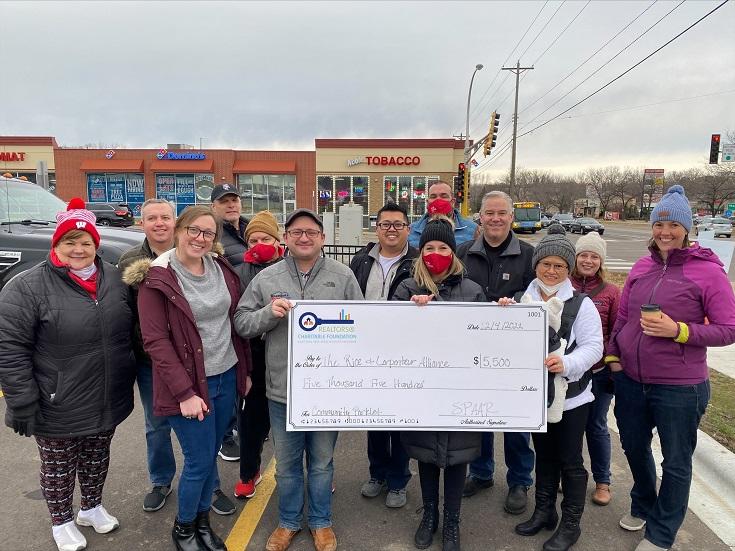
pixel 488 361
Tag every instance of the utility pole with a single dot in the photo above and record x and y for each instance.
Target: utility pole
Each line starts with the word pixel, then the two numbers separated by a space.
pixel 517 70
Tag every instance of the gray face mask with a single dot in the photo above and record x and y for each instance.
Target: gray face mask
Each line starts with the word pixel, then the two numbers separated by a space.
pixel 549 290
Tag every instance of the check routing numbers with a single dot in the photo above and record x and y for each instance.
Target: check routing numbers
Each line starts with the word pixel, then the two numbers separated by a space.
pixel 395 365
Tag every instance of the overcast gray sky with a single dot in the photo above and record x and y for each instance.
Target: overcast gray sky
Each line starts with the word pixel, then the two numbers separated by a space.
pixel 267 75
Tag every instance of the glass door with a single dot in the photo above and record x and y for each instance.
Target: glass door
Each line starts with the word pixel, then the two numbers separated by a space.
pixel 289 205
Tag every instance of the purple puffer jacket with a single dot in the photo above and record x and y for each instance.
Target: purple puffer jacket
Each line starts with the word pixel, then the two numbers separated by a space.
pixel 690 286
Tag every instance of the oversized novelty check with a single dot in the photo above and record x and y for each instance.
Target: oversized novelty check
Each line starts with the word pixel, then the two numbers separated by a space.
pixel 398 366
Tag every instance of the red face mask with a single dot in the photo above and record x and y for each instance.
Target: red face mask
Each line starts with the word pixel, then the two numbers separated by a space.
pixel 439 206
pixel 437 263
pixel 261 253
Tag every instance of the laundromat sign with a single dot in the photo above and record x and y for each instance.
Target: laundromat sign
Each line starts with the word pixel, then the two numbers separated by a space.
pixel 180 156
pixel 13 156
pixel 385 160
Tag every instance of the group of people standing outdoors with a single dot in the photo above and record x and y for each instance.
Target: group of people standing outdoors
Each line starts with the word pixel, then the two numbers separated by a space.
pixel 198 314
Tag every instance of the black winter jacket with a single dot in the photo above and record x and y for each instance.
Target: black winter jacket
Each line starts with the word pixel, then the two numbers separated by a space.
pixel 138 252
pixel 512 271
pixel 246 272
pixel 233 241
pixel 362 263
pixel 66 353
pixel 443 448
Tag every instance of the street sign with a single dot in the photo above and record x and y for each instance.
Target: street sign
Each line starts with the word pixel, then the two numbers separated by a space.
pixel 728 153
pixel 731 206
pixel 728 214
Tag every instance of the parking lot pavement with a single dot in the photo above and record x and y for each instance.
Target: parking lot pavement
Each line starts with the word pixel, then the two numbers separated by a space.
pixel 361 524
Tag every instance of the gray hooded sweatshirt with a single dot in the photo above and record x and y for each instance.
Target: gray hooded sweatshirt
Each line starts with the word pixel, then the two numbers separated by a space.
pixel 328 280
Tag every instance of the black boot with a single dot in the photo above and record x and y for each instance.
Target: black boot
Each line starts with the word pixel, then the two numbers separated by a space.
pixel 572 507
pixel 185 538
pixel 544 514
pixel 450 531
pixel 210 540
pixel 429 523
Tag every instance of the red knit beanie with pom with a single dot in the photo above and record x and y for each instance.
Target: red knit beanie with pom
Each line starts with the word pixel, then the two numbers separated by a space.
pixel 75 217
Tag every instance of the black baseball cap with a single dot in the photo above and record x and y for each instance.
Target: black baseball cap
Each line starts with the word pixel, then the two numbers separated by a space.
pixel 304 212
pixel 221 190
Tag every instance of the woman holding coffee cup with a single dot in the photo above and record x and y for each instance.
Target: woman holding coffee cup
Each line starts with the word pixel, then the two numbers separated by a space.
pixel 676 302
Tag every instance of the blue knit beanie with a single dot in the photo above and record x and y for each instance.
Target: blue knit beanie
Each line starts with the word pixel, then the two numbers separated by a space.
pixel 673 207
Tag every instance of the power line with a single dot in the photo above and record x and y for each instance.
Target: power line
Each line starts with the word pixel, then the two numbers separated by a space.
pixel 590 57
pixel 538 34
pixel 645 105
pixel 479 102
pixel 504 148
pixel 636 39
pixel 621 75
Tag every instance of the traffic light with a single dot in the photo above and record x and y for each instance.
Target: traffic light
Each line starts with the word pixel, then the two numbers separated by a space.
pixel 492 133
pixel 459 184
pixel 714 149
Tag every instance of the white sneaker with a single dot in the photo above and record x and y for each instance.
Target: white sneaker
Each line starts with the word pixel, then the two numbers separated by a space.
pixel 98 518
pixel 68 537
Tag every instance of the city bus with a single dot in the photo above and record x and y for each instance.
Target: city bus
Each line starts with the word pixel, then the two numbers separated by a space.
pixel 526 216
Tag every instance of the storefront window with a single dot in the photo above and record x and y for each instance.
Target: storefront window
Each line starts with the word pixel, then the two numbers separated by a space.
pixel 410 192
pixel 114 187
pixel 390 189
pixel 184 189
pixel 267 192
pixel 335 191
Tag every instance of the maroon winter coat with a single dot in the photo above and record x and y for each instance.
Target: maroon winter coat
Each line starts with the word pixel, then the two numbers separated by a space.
pixel 170 334
pixel 606 301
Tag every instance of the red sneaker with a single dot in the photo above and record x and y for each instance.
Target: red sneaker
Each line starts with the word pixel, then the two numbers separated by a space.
pixel 247 489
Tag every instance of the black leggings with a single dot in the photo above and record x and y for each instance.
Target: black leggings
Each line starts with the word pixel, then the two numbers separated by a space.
pixel 453 484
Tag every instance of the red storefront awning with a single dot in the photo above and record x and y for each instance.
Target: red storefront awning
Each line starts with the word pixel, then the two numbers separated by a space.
pixel 264 167
pixel 112 165
pixel 182 166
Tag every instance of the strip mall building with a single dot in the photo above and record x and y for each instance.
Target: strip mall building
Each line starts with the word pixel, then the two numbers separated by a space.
pixel 339 171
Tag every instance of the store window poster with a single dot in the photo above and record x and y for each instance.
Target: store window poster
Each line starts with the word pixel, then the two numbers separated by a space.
pixel 166 188
pixel 135 189
pixel 185 189
pixel 96 188
pixel 116 188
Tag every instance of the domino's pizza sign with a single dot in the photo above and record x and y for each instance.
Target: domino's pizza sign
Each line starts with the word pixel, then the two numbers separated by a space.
pixel 180 155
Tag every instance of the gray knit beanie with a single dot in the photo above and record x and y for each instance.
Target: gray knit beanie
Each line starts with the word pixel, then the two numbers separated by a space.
pixel 673 207
pixel 555 243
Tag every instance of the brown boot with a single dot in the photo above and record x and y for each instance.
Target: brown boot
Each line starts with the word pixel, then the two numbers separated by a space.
pixel 601 495
pixel 324 539
pixel 280 539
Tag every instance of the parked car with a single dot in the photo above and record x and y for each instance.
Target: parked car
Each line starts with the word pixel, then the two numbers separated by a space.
pixel 586 225
pixel 112 214
pixel 563 219
pixel 27 222
pixel 720 226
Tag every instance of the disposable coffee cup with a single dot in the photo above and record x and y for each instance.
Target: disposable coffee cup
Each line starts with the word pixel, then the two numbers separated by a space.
pixel 651 311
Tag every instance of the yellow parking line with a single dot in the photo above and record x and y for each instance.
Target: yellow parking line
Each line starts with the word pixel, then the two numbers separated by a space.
pixel 247 522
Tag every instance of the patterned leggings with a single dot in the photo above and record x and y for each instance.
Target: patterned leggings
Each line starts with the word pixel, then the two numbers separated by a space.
pixel 64 459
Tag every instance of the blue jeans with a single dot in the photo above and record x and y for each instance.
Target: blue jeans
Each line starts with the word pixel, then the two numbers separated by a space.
pixel 598 435
pixel 388 459
pixel 519 458
pixel 161 460
pixel 290 448
pixel 675 410
pixel 200 442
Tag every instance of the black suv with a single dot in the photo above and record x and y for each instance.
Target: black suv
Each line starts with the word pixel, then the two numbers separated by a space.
pixel 112 214
pixel 27 222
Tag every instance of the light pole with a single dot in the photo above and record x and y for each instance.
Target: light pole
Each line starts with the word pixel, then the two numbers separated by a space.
pixel 466 183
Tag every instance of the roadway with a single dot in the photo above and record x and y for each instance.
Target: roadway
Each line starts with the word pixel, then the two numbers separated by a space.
pixel 360 524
